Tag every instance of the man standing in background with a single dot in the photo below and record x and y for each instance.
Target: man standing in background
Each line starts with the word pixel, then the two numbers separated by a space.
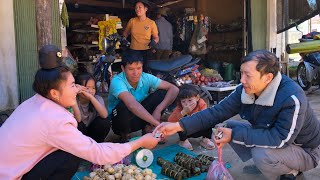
pixel 164 47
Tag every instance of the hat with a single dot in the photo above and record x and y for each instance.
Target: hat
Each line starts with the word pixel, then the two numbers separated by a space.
pixel 50 57
pixel 145 2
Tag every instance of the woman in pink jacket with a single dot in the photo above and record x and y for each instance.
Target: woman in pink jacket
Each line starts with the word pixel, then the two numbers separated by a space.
pixel 40 140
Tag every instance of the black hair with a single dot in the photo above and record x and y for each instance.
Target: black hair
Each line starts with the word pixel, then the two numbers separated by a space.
pixel 47 79
pixel 52 71
pixel 186 91
pixel 267 61
pixel 130 57
pixel 144 2
pixel 83 79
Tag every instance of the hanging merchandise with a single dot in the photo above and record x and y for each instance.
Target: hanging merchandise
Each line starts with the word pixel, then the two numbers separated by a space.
pixel 69 61
pixel 106 28
pixel 183 33
pixel 64 15
pixel 198 41
pixel 207 23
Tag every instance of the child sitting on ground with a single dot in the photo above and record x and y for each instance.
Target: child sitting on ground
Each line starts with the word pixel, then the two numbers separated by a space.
pixel 91 112
pixel 189 102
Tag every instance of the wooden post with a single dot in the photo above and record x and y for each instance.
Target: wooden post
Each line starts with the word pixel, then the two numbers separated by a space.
pixel 286 21
pixel 271 34
pixel 44 23
pixel 202 6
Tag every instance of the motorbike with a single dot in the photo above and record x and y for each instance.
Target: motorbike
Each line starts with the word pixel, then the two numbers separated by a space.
pixel 308 70
pixel 173 69
pixel 105 67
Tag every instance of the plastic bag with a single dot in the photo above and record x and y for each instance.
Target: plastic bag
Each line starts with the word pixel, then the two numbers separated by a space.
pixel 217 170
pixel 198 40
pixel 69 61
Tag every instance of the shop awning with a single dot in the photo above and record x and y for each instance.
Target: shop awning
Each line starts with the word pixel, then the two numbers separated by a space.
pixel 291 13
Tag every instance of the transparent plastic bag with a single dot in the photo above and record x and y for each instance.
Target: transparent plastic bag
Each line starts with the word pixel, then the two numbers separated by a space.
pixel 217 170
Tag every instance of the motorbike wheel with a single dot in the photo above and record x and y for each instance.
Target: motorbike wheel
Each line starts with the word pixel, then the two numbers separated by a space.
pixel 302 77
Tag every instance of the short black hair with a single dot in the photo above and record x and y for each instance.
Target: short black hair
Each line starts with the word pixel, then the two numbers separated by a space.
pixel 267 61
pixel 83 79
pixel 47 79
pixel 186 91
pixel 144 2
pixel 130 57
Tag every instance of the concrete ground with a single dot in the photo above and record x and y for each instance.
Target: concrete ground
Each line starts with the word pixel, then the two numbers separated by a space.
pixel 231 157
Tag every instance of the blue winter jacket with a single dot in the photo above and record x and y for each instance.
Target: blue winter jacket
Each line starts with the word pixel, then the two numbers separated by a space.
pixel 281 115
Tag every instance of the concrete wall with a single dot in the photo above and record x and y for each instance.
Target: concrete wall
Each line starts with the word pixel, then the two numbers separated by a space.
pixel 9 96
pixel 259 24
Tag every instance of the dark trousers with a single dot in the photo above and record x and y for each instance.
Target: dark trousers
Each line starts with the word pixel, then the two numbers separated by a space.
pixel 163 54
pixel 125 122
pixel 98 129
pixel 205 133
pixel 58 165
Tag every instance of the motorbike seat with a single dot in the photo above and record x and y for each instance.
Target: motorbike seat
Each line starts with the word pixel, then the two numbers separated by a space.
pixel 169 65
pixel 313 58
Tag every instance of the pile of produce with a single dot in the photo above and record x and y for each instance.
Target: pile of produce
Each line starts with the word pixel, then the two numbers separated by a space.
pixel 121 172
pixel 221 84
pixel 185 166
pixel 202 78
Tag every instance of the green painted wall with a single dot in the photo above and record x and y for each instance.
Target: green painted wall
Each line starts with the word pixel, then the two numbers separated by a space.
pixel 26 45
pixel 259 23
pixel 26 42
pixel 56 21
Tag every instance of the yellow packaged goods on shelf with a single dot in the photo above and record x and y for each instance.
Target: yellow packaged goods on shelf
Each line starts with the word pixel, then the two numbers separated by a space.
pixel 106 28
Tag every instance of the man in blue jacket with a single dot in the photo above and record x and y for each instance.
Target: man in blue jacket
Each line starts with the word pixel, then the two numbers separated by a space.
pixel 281 133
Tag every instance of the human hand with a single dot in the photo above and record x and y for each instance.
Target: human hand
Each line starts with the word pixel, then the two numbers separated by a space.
pixel 168 128
pixel 156 115
pixel 124 42
pixel 156 123
pixel 189 108
pixel 79 88
pixel 84 91
pixel 149 141
pixel 152 44
pixel 226 137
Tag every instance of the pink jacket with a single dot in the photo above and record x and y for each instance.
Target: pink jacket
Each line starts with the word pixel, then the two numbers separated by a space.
pixel 39 127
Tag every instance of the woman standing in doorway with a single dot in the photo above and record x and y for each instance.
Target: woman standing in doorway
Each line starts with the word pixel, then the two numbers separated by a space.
pixel 141 29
